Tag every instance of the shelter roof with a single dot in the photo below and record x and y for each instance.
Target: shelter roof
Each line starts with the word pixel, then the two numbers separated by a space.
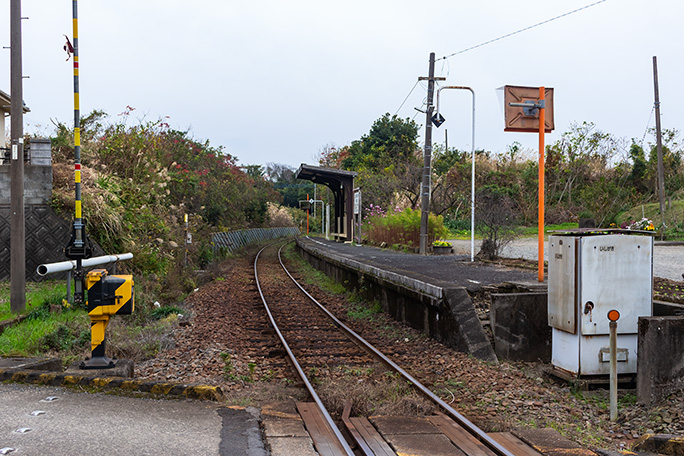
pixel 321 175
pixel 5 103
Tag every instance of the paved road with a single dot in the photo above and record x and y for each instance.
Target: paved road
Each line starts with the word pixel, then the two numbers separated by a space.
pixel 78 423
pixel 668 259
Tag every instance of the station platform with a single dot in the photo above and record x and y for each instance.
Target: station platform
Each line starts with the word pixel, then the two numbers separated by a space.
pixel 448 270
pixel 444 296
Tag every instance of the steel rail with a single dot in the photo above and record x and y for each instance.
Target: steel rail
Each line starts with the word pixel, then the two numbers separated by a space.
pixel 475 431
pixel 301 373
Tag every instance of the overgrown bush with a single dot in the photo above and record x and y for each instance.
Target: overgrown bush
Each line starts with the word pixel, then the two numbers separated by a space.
pixel 497 218
pixel 402 228
pixel 279 216
pixel 139 181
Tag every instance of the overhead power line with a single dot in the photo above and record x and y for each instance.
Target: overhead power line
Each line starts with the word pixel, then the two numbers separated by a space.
pixel 521 30
pixel 643 138
pixel 407 97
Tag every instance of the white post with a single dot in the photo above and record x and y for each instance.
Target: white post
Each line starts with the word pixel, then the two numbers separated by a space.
pixel 472 178
pixel 327 222
pixel 472 190
pixel 613 371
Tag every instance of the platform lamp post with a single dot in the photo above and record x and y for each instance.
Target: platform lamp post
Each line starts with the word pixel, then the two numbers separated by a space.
pixel 530 109
pixel 438 120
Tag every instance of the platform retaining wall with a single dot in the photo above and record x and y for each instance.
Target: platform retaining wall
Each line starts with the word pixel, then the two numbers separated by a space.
pixel 445 314
pixel 520 326
pixel 660 363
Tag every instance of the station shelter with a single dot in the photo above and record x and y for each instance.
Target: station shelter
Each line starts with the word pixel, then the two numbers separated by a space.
pixel 341 183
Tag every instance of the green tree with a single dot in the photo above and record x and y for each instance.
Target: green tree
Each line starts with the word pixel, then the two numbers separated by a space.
pixel 390 140
pixel 672 163
pixel 387 160
pixel 291 189
pixel 639 168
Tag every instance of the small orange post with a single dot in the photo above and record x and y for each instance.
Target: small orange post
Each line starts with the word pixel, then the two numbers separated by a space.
pixel 540 267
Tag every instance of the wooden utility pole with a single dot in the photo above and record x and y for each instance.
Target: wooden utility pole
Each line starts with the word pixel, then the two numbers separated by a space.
pixel 427 158
pixel 659 142
pixel 17 221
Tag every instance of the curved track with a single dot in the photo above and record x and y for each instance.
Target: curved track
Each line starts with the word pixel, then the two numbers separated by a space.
pixel 311 336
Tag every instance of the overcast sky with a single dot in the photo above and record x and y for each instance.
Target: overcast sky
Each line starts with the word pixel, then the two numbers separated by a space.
pixel 275 81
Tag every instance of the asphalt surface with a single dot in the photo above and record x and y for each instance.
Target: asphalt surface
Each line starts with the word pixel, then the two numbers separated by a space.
pixel 75 423
pixel 668 257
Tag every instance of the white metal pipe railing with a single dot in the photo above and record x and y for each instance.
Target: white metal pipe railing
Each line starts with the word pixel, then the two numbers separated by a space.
pixel 63 266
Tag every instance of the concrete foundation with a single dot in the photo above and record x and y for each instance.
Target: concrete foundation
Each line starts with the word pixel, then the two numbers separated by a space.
pixel 124 368
pixel 31 364
pixel 520 326
pixel 660 365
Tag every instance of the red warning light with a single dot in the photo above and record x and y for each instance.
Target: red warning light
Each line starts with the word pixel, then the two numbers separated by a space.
pixel 613 315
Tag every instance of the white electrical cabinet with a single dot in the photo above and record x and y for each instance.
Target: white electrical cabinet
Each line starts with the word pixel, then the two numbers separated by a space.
pixel 591 273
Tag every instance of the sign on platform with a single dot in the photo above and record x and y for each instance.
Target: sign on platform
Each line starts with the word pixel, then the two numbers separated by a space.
pixel 517 119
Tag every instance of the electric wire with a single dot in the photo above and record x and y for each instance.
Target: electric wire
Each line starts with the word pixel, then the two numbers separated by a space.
pixel 643 138
pixel 448 68
pixel 407 97
pixel 521 30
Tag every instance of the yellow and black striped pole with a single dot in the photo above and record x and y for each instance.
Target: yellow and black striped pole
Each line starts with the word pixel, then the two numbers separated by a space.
pixel 77 124
pixel 78 247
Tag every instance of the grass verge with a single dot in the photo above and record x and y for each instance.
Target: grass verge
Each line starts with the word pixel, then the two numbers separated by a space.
pixel 55 328
pixel 674 218
pixel 46 331
pixel 36 294
pixel 310 275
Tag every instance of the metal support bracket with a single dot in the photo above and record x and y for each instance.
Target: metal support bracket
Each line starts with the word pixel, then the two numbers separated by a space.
pixel 530 108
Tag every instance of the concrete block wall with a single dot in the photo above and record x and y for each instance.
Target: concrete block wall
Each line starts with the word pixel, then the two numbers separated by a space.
pixel 37 175
pixel 46 232
pixel 660 364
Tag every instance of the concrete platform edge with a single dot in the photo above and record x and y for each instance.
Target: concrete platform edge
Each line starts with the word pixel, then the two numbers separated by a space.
pixel 202 392
pixel 423 287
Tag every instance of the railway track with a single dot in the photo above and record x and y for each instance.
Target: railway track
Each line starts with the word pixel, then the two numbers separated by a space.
pixel 313 337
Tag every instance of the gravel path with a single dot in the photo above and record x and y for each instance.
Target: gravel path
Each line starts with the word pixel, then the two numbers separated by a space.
pixel 668 258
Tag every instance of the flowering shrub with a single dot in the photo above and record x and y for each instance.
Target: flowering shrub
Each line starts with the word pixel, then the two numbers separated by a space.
pixel 441 243
pixel 644 224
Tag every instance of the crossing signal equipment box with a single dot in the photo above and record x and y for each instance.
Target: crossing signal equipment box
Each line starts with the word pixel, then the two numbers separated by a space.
pixel 107 295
